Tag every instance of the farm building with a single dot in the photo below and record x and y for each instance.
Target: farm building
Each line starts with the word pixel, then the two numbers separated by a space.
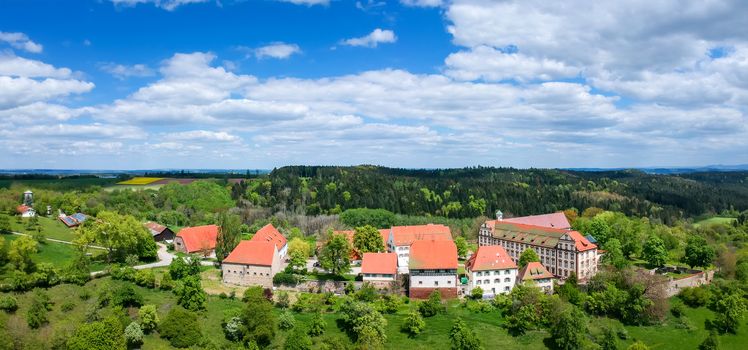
pixel 491 269
pixel 252 263
pixel 25 211
pixel 269 233
pixel 379 269
pixel 401 238
pixel 159 232
pixel 197 239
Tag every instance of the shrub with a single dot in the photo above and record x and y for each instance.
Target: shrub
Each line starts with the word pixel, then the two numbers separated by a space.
pixel 285 278
pixel 145 278
pixel 479 306
pixel 432 306
pixel 103 335
pixel 476 293
pixel 677 309
pixel 232 324
pixel 148 318
pixel 413 324
pixel 8 303
pixel 126 296
pixel 85 295
pixel 367 293
pixel 190 294
pixel 283 300
pixel 695 296
pixel 166 282
pixel 36 316
pixel 181 328
pixel 133 334
pixel 317 325
pixel 298 340
pixel 286 321
pixel 67 306
pixel 124 273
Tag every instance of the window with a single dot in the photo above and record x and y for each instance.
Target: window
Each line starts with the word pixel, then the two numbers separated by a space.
pixel 436 283
pixel 479 274
pixel 507 279
pixel 497 280
pixel 449 282
pixel 420 282
pixel 496 273
pixel 506 272
pixel 506 289
pixel 478 282
pixel 486 281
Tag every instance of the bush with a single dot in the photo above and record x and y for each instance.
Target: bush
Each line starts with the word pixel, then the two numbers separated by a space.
pixel 285 278
pixel 181 328
pixel 283 300
pixel 479 306
pixel 286 321
pixel 677 309
pixel 124 273
pixel 298 340
pixel 67 306
pixel 413 324
pixel 232 324
pixel 367 293
pixel 166 282
pixel 8 303
pixel 148 318
pixel 190 294
pixel 432 306
pixel 103 335
pixel 695 296
pixel 317 325
pixel 36 316
pixel 126 296
pixel 145 278
pixel 476 293
pixel 133 334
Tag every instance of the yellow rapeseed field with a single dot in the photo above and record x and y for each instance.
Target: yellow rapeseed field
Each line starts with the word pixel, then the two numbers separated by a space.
pixel 140 180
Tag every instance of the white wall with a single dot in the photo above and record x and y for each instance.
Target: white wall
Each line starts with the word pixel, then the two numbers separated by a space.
pixel 493 287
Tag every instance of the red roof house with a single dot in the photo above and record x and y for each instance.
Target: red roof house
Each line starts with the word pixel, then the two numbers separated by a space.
pixel 252 253
pixel 197 239
pixel 536 272
pixel 379 263
pixel 269 233
pixel 433 255
pixel 490 257
pixel 406 235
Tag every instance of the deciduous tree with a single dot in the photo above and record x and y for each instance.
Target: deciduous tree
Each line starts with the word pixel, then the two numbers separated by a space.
pixel 367 239
pixel 698 252
pixel 336 255
pixel 229 234
pixel 654 252
pixel 528 255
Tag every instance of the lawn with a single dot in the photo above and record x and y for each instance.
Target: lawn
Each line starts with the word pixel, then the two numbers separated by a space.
pixel 51 227
pixel 59 254
pixel 714 220
pixel 488 326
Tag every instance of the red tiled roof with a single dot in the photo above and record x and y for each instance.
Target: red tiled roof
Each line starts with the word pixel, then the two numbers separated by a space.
pixel 385 263
pixel 350 233
pixel 406 235
pixel 490 257
pixel 252 253
pixel 554 220
pixel 269 233
pixel 581 242
pixel 534 271
pixel 538 235
pixel 154 227
pixel 433 254
pixel 22 208
pixel 198 238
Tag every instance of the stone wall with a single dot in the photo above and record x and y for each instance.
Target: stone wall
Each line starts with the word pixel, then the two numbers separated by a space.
pixel 423 293
pixel 675 285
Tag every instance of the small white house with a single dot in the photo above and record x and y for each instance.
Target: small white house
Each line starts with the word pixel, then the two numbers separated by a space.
pixel 491 269
pixel 25 211
pixel 536 273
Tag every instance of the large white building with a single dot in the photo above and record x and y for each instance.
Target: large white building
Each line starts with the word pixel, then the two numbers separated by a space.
pixel 491 269
pixel 561 251
pixel 401 238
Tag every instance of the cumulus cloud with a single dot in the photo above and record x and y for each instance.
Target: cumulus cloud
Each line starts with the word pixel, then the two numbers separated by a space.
pixel 487 63
pixel 202 135
pixel 278 50
pixel 20 41
pixel 121 71
pixel 373 39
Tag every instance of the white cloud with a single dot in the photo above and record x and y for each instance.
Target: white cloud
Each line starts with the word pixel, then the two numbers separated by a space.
pixel 487 63
pixel 20 41
pixel 19 91
pixel 373 39
pixel 277 50
pixel 121 71
pixel 14 66
pixel 169 5
pixel 202 135
pixel 422 3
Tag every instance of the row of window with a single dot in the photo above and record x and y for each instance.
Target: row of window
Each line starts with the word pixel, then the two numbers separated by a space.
pixel 436 283
pixel 488 273
pixel 497 280
pixel 242 272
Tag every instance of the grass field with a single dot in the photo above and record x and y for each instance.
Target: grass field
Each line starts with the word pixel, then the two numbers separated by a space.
pixel 714 220
pixel 436 336
pixel 59 184
pixel 51 227
pixel 140 180
pixel 59 254
pixel 132 187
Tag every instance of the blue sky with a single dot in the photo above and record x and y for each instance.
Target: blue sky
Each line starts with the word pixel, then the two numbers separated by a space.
pixel 415 83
